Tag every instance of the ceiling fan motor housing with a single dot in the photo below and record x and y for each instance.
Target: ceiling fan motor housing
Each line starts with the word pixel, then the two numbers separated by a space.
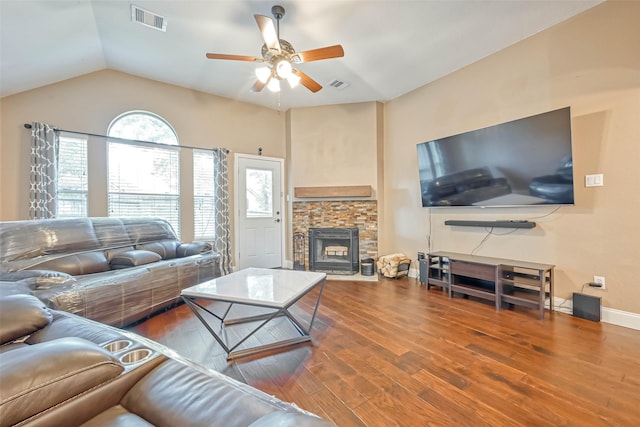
pixel 277 11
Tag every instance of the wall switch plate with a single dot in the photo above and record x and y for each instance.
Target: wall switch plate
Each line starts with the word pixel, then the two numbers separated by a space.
pixel 599 280
pixel 595 180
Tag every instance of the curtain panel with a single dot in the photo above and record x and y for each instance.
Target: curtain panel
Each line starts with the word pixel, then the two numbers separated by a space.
pixel 223 221
pixel 43 177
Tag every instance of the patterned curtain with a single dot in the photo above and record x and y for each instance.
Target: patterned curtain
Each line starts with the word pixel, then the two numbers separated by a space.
pixel 43 190
pixel 223 227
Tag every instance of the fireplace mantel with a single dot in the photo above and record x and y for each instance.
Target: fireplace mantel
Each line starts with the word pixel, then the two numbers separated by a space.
pixel 334 191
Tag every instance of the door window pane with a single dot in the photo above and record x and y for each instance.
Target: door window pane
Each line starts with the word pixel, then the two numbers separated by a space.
pixel 259 190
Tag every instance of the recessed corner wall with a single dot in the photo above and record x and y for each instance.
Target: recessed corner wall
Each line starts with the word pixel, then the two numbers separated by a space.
pixel 591 63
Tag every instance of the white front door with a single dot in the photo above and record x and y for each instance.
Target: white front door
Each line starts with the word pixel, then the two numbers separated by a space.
pixel 259 213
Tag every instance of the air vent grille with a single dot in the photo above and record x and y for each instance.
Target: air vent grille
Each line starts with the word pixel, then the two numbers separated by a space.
pixel 338 84
pixel 148 19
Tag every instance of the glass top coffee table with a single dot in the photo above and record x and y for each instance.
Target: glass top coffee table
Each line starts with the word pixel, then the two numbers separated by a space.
pixel 262 296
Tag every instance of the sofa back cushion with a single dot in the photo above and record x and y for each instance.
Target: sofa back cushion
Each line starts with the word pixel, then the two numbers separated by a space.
pixel 26 240
pixel 111 233
pixel 165 248
pixel 144 230
pixel 77 264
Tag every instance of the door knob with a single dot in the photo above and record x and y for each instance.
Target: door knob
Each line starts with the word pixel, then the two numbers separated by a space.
pixel 277 220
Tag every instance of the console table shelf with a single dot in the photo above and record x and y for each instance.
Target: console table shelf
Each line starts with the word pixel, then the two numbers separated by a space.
pixel 502 281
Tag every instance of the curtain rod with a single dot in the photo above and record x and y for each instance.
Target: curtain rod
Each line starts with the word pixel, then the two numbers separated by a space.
pixel 29 126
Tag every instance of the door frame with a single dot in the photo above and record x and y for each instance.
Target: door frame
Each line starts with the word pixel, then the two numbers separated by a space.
pixel 236 206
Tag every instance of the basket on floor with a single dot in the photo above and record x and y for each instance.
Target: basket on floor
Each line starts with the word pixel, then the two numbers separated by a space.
pixel 394 266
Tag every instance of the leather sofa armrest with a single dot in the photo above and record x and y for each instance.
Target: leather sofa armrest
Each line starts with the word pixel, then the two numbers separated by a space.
pixel 38 279
pixel 38 377
pixel 21 315
pixel 193 248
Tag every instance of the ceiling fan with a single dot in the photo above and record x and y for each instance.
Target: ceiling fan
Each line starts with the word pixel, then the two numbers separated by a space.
pixel 280 57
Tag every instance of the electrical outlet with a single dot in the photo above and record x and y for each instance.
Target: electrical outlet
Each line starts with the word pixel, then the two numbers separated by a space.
pixel 599 280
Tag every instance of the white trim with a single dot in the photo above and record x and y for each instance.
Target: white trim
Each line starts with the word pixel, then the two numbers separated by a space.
pixel 613 316
pixel 236 213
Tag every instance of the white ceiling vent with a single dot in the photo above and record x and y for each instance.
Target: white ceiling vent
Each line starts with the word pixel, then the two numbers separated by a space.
pixel 148 19
pixel 338 84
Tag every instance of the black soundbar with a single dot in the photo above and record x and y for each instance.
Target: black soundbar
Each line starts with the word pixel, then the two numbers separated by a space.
pixel 492 224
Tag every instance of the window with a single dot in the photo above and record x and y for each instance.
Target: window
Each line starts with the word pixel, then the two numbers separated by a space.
pixel 144 178
pixel 72 177
pixel 204 213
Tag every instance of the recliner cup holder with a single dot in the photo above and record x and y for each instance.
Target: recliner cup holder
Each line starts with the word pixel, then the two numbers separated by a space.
pixel 117 346
pixel 135 356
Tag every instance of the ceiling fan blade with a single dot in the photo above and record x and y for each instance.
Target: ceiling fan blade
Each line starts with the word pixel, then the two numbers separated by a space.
pixel 233 57
pixel 307 81
pixel 268 31
pixel 321 53
pixel 257 86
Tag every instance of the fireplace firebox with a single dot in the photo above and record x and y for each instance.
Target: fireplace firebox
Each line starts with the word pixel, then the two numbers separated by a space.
pixel 334 250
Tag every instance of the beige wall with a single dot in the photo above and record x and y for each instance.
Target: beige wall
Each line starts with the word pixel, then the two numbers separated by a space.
pixel 89 103
pixel 334 145
pixel 591 63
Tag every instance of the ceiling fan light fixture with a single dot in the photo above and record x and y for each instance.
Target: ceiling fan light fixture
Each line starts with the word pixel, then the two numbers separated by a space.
pixel 263 74
pixel 274 85
pixel 293 80
pixel 283 69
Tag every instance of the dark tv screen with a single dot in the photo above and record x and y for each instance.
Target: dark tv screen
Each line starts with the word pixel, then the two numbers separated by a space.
pixel 519 163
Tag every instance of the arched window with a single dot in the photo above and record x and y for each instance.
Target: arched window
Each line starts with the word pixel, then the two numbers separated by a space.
pixel 144 176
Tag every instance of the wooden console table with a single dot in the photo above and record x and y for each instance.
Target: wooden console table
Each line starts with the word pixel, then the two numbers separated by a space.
pixel 495 279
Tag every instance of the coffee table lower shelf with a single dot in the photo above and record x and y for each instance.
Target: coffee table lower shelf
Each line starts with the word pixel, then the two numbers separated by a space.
pixel 199 309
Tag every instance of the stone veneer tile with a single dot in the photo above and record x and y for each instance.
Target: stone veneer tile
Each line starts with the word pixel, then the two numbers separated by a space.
pixel 362 214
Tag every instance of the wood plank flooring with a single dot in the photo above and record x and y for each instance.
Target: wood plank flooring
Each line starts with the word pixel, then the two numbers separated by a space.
pixel 394 354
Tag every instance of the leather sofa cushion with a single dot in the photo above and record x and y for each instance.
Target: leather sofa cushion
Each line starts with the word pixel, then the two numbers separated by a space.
pixel 111 233
pixel 133 259
pixel 41 376
pixel 289 419
pixel 21 315
pixel 143 230
pixel 194 248
pixel 117 416
pixel 30 239
pixel 77 264
pixel 66 325
pixel 174 392
pixel 165 248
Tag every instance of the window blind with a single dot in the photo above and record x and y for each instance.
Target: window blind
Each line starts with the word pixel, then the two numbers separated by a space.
pixel 204 195
pixel 72 177
pixel 144 181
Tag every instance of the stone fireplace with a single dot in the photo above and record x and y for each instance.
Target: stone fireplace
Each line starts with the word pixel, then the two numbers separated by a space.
pixel 334 250
pixel 359 214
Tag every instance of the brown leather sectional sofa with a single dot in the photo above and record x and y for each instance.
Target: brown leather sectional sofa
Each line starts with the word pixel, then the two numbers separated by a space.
pixel 59 369
pixel 112 270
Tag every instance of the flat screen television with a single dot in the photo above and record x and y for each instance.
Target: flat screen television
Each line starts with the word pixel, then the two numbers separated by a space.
pixel 523 162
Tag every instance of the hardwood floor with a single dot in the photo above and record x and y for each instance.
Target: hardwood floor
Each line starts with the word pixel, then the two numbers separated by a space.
pixel 394 354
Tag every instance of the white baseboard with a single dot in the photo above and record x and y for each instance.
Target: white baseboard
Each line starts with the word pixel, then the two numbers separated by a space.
pixel 626 319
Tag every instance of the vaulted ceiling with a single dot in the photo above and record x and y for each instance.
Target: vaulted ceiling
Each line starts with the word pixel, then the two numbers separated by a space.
pixel 391 47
